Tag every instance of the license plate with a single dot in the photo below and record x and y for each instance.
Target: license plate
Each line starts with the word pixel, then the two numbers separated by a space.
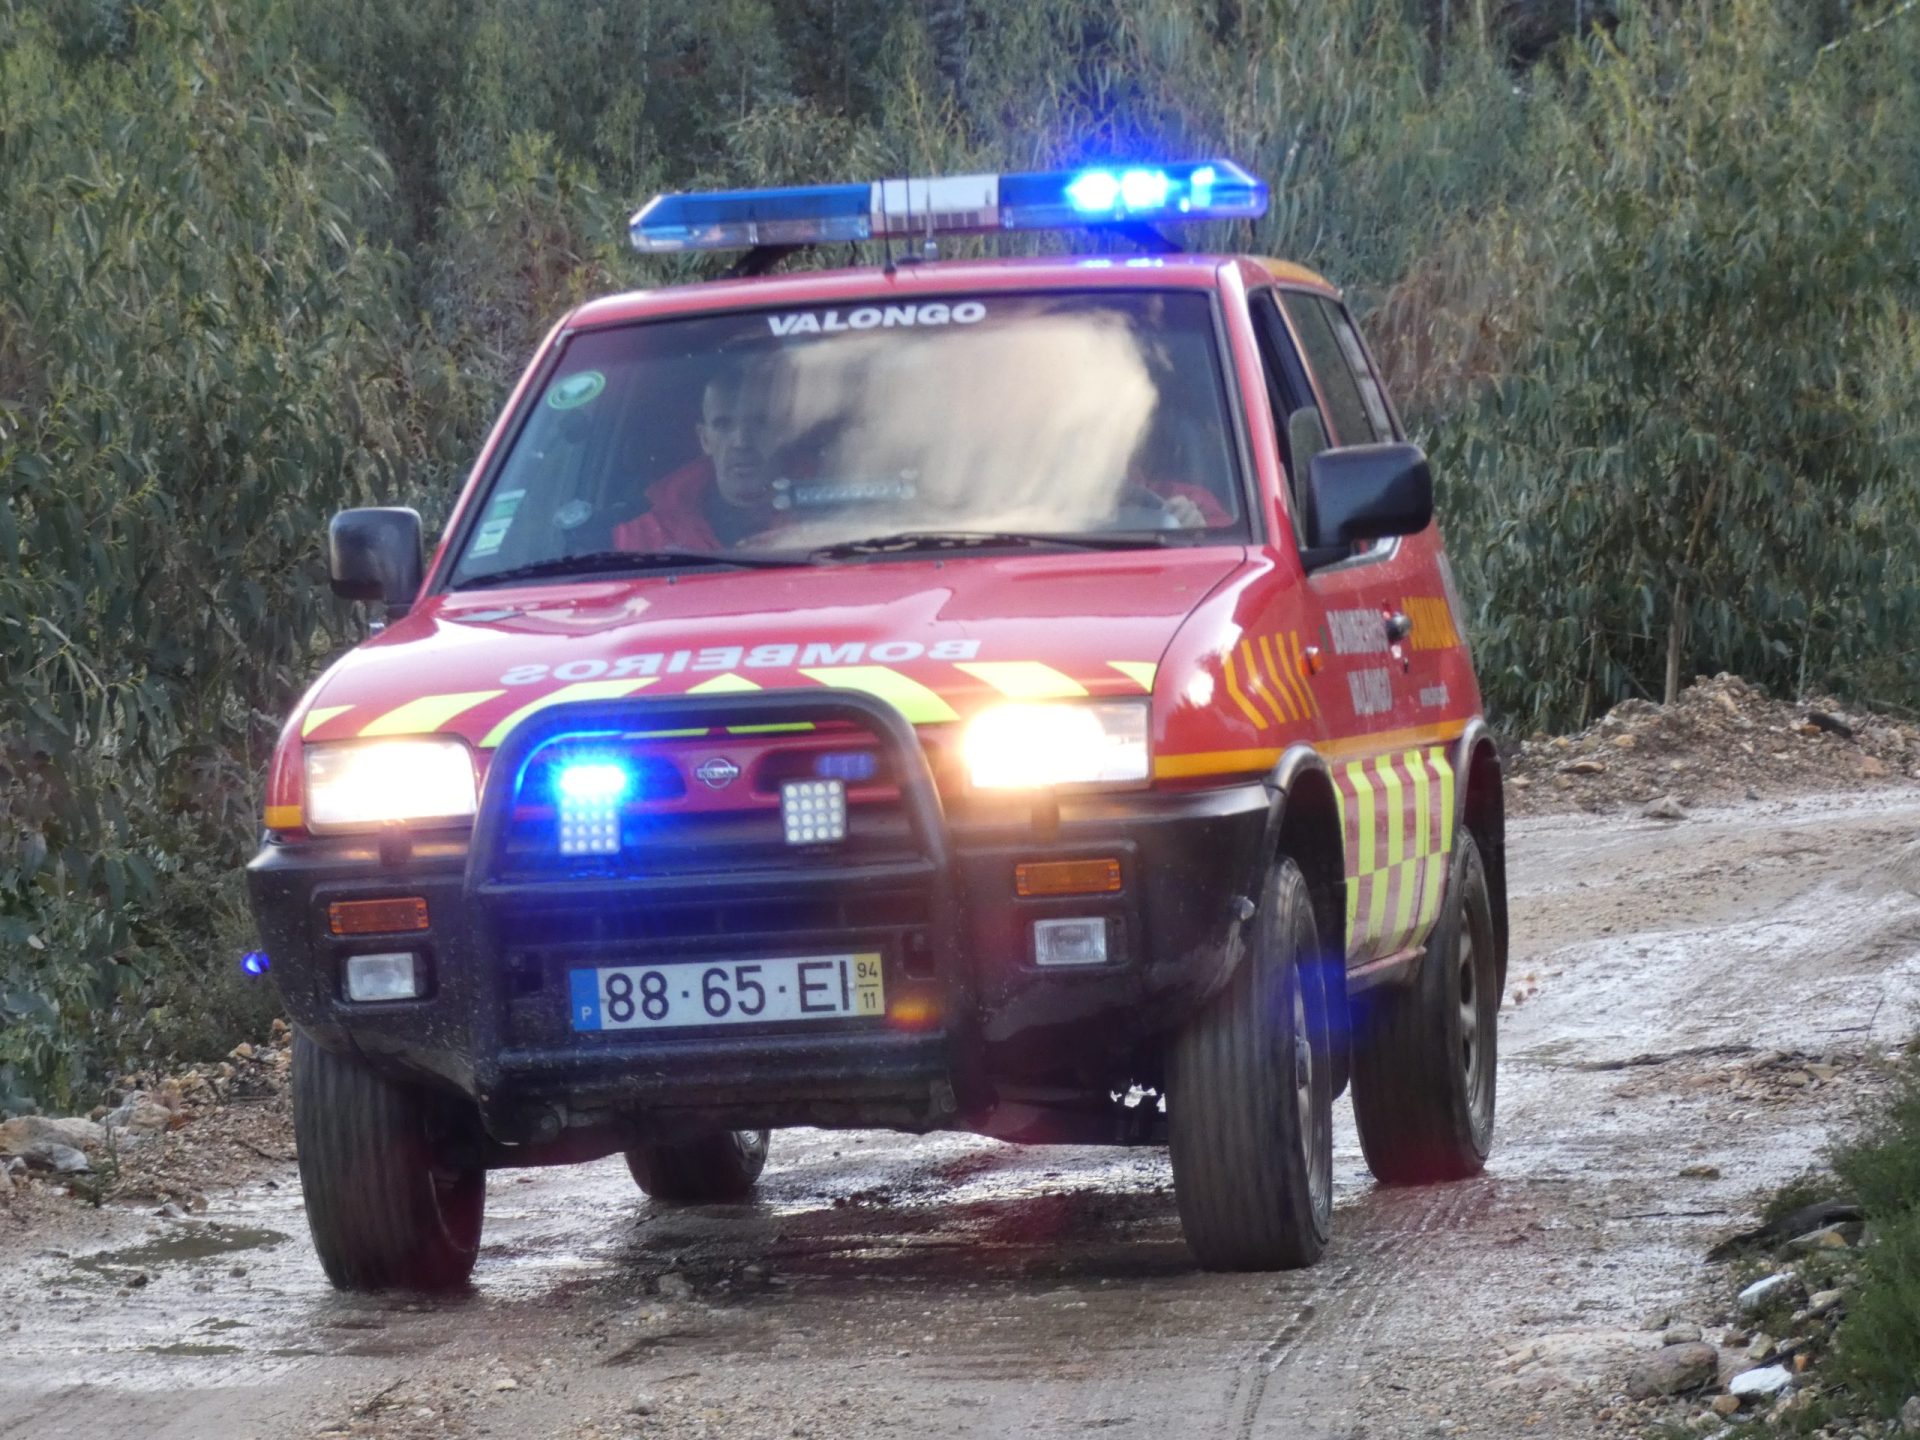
pixel 728 992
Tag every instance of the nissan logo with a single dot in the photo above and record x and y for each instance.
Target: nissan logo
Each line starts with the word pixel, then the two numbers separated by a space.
pixel 719 772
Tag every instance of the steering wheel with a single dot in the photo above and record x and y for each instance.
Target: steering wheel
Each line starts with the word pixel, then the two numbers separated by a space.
pixel 1141 509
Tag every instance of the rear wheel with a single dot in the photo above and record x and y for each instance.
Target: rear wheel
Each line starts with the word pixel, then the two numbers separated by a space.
pixel 1424 1055
pixel 1250 1099
pixel 388 1205
pixel 713 1168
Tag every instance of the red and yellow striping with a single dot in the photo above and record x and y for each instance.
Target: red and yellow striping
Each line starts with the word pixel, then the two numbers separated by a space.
pixel 1396 810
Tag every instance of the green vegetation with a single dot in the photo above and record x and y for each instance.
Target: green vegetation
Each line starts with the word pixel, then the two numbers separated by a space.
pixel 1878 1344
pixel 1648 293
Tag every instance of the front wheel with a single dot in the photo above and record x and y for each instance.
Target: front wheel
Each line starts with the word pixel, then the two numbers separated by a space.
pixel 1424 1055
pixel 712 1169
pixel 389 1204
pixel 1250 1099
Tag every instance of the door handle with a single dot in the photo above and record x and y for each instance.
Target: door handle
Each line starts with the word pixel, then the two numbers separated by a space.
pixel 1398 626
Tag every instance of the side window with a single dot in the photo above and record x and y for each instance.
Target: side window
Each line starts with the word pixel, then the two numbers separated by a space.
pixel 1371 395
pixel 1296 418
pixel 1347 409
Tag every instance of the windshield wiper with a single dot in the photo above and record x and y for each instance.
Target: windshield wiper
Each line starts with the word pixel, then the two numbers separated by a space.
pixel 600 562
pixel 906 540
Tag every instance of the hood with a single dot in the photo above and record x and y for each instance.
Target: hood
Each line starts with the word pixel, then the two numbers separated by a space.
pixel 935 638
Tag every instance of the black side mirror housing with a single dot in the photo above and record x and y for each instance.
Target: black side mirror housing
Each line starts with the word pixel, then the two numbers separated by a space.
pixel 374 554
pixel 1366 492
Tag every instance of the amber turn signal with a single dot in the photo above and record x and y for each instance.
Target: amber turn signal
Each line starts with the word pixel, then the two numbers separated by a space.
pixel 377 917
pixel 1067 877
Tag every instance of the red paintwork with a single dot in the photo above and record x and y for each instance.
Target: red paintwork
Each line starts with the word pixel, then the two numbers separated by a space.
pixel 1214 620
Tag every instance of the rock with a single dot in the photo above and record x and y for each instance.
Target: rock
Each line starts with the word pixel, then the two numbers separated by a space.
pixel 140 1116
pixel 1700 1172
pixel 1625 742
pixel 1833 724
pixel 1761 1384
pixel 1760 1347
pixel 1585 767
pixel 508 1383
pixel 1665 808
pixel 60 1159
pixel 1725 1405
pixel 1830 1237
pixel 1873 769
pixel 242 1051
pixel 1821 1301
pixel 1763 1293
pixel 1681 1332
pixel 6 1180
pixel 1673 1370
pixel 1910 1415
pixel 24 1130
pixel 675 1287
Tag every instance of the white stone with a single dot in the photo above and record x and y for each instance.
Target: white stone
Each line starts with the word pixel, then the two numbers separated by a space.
pixel 1758 1384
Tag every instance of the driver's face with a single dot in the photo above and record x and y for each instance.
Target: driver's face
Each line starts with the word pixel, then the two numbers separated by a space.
pixel 740 428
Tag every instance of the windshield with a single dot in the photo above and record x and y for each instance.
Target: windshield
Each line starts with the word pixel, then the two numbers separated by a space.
pixel 804 431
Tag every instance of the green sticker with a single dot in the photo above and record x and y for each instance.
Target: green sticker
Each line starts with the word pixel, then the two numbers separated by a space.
pixel 576 390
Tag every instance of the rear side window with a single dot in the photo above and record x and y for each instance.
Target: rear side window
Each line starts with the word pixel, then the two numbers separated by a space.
pixel 1355 421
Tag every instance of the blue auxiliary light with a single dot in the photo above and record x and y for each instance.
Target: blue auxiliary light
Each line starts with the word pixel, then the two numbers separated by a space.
pixel 948 205
pixel 255 963
pixel 852 767
pixel 588 797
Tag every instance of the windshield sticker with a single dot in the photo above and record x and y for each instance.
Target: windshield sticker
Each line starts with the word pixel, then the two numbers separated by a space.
pixel 812 654
pixel 492 533
pixel 876 317
pixel 576 390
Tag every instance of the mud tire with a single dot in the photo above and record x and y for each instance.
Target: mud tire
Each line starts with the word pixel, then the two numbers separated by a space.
pixel 387 1208
pixel 1250 1099
pixel 1425 1054
pixel 711 1170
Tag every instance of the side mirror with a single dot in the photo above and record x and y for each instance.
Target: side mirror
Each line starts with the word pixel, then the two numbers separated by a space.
pixel 1366 492
pixel 374 554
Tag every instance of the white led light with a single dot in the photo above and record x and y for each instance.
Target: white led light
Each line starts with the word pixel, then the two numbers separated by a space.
pixel 813 811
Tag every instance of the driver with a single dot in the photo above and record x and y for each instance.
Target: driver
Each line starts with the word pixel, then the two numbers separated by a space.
pixel 726 495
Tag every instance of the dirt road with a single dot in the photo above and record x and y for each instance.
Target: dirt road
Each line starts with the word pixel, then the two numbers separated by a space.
pixel 1703 997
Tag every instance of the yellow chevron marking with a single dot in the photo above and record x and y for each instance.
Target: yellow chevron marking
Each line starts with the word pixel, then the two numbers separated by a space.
pixel 1213 762
pixel 723 685
pixel 1250 662
pixel 1141 672
pixel 1444 770
pixel 284 817
pixel 428 713
pixel 1364 861
pixel 920 705
pixel 670 734
pixel 1351 746
pixel 317 717
pixel 1023 679
pixel 1396 810
pixel 1422 816
pixel 1300 673
pixel 791 729
pixel 566 694
pixel 1239 697
pixel 1294 710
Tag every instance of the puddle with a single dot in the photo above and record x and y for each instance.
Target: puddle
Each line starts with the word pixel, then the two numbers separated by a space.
pixel 182 1245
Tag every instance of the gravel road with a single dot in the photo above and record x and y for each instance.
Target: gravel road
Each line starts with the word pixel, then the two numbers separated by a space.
pixel 1708 997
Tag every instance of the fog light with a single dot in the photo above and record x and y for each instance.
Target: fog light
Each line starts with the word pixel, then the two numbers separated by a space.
pixel 813 811
pixel 395 975
pixel 1070 942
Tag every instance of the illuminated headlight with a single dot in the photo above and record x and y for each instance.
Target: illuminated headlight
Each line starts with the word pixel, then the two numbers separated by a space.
pixel 1032 747
pixel 366 786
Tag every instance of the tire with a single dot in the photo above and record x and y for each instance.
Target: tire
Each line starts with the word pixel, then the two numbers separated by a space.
pixel 1425 1054
pixel 710 1170
pixel 387 1209
pixel 1250 1099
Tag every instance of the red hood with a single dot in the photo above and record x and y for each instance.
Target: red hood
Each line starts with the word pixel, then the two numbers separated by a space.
pixel 935 638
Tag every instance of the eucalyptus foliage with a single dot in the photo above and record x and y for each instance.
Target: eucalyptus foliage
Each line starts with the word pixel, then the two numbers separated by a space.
pixel 1647 290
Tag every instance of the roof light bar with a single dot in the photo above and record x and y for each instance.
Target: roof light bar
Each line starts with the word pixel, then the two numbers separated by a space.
pixel 947 205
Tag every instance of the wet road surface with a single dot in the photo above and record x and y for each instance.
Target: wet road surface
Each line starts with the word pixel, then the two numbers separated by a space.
pixel 1703 997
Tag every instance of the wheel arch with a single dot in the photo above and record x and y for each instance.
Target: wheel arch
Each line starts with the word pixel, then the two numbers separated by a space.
pixel 1482 809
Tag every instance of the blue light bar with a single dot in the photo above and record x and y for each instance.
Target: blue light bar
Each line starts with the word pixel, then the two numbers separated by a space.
pixel 948 205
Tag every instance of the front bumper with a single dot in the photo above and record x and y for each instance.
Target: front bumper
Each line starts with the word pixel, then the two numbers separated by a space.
pixel 974 1027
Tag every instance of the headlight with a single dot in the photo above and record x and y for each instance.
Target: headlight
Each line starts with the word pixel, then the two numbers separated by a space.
pixel 1032 747
pixel 365 786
